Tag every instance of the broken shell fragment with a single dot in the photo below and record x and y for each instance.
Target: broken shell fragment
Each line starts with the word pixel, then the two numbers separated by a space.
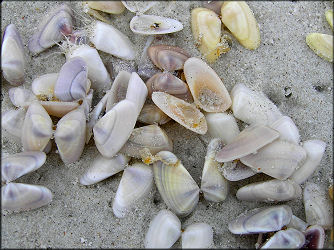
pixel 136 183
pixel 154 25
pixel 287 129
pixel 151 114
pixel 289 238
pixel 22 197
pixel 21 97
pixel 240 20
pixel 236 171
pixel 182 112
pixel 12 121
pixel 164 230
pixel 111 7
pixel 198 235
pixel 138 7
pixel 12 56
pixel 297 223
pixel 315 237
pixel 206 87
pixel 136 92
pixel 176 186
pixel 329 17
pixel 43 86
pixel 321 44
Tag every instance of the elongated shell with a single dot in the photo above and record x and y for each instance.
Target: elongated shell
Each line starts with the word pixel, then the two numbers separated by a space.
pixel 21 197
pixel 111 7
pixel 151 114
pixel 289 238
pixel 21 97
pixel 261 220
pixel 176 186
pixel 154 25
pixel 314 237
pixel 164 230
pixel 198 235
pixel 136 183
pixel 240 20
pixel 12 56
pixel 206 87
pixel 329 17
pixel 139 7
pixel 287 129
pixel 52 29
pixel 321 44
pixel 12 121
pixel 136 92
pixel 182 112
pixel 236 171
pixel 43 86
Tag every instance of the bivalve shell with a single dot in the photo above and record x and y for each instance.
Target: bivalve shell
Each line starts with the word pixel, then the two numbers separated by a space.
pixel 236 171
pixel 315 237
pixel 21 97
pixel 59 109
pixel 298 224
pixel 289 238
pixel 138 7
pixel 287 129
pixel 111 7
pixel 12 121
pixel 321 44
pixel 136 92
pixel 198 235
pixel 329 17
pixel 151 114
pixel 43 86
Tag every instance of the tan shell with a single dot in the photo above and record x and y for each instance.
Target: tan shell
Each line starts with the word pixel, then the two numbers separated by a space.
pixel 111 7
pixel 321 44
pixel 151 114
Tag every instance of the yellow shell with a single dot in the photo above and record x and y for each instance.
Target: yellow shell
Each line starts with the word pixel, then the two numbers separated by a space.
pixel 329 17
pixel 321 44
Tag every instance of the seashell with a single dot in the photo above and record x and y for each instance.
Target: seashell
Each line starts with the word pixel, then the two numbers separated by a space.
pixel 261 220
pixel 102 168
pixel 329 17
pixel 289 238
pixel 12 121
pixel 176 186
pixel 314 237
pixel 14 166
pixel 52 29
pixel 12 56
pixel 318 208
pixel 72 81
pixel 36 129
pixel 151 114
pixel 297 223
pixel 145 67
pixel 95 13
pixel 206 87
pixel 287 129
pixel 240 20
pixel 278 159
pixel 198 235
pixel 248 141
pixel 137 91
pixel 136 183
pixel 236 171
pixel 117 44
pixel 21 97
pixel 253 107
pixel 213 5
pixel 151 137
pixel 321 44
pixel 213 185
pixel 113 130
pixel 182 112
pixel 166 82
pixel 22 197
pixel 164 230
pixel 222 125
pixel 314 151
pixel 59 109
pixel 111 7
pixel 70 135
pixel 166 57
pixel 139 7
pixel 118 89
pixel 43 86
pixel 270 191
pixel 154 25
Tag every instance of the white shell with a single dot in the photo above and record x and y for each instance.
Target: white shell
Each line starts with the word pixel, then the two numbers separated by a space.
pixel 12 121
pixel 287 129
pixel 289 238
pixel 136 183
pixel 198 235
pixel 154 25
pixel 21 197
pixel 139 6
pixel 21 97
pixel 297 223
pixel 164 230
pixel 236 171
pixel 43 86
pixel 137 91
pixel 59 109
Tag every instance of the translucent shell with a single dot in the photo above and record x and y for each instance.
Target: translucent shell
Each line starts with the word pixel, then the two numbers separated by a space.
pixel 21 97
pixel 151 114
pixel 329 17
pixel 59 109
pixel 321 44
pixel 289 238
pixel 240 20
pixel 182 112
pixel 206 87
pixel 111 7
pixel 43 86
pixel 198 235
pixel 12 121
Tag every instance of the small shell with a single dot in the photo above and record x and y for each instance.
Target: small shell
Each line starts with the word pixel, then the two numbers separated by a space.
pixel 154 25
pixel 261 220
pixel 176 186
pixel 297 223
pixel 240 20
pixel 137 91
pixel 12 121
pixel 52 29
pixel 236 171
pixel 21 97
pixel 14 166
pixel 270 191
pixel 22 197
pixel 315 150
pixel 59 109
pixel 206 87
pixel 166 82
pixel 287 129
pixel 139 7
pixel 43 86
pixel 164 230
pixel 37 128
pixel 70 135
pixel 321 44
pixel 12 56
pixel 136 183
pixel 166 57
pixel 315 237
pixel 182 112
pixel 289 238
pixel 151 114
pixel 198 235
pixel 248 141
pixel 111 7
pixel 329 17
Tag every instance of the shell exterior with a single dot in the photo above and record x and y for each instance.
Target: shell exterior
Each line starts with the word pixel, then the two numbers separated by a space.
pixel 22 197
pixel 43 86
pixel 240 20
pixel 139 7
pixel 314 237
pixel 59 109
pixel 182 112
pixel 136 183
pixel 287 129
pixel 261 220
pixel 236 171
pixel 154 25
pixel 12 121
pixel 206 87
pixel 321 44
pixel 52 29
pixel 14 166
pixel 198 235
pixel 111 7
pixel 12 56
pixel 289 238
pixel 21 97
pixel 137 91
pixel 151 114
pixel 315 150
pixel 278 159
pixel 248 141
pixel 329 17
pixel 298 224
